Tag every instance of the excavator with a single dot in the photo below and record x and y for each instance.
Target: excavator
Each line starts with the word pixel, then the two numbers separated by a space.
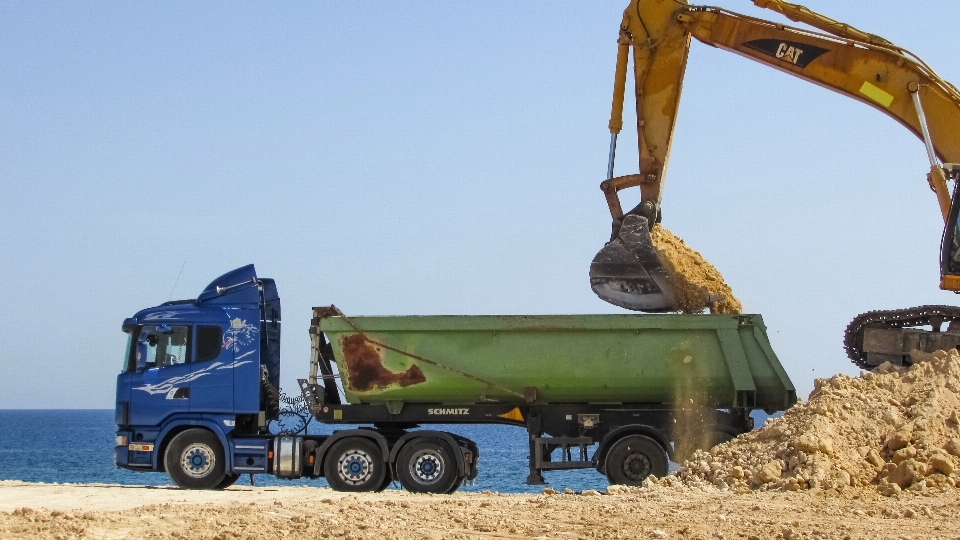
pixel 628 272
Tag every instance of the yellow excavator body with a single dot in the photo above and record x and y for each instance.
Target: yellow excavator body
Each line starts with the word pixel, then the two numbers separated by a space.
pixel 867 68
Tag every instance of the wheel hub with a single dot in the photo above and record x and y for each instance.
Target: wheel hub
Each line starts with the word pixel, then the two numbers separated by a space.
pixel 355 467
pixel 427 466
pixel 197 460
pixel 637 467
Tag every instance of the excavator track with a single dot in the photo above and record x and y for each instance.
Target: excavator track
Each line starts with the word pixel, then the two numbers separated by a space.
pixel 895 318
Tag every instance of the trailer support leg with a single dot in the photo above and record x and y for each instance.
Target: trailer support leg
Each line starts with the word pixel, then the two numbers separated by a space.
pixel 534 432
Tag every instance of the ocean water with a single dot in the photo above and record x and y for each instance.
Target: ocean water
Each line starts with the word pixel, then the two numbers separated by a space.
pixel 76 446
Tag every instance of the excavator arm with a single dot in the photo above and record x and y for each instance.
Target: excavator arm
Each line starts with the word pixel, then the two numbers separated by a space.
pixel 836 56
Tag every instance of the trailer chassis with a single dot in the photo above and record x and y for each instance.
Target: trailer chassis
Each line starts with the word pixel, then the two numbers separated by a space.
pixel 571 429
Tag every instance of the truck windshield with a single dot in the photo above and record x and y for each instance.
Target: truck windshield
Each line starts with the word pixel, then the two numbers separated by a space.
pixel 170 347
pixel 127 355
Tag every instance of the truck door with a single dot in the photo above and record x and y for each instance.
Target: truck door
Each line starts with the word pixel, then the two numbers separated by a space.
pixel 242 340
pixel 162 386
pixel 211 390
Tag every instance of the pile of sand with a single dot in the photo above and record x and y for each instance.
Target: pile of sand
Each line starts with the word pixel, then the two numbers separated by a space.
pixel 694 279
pixel 893 429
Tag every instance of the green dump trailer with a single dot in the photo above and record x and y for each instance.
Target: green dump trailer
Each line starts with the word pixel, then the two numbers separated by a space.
pixel 719 361
pixel 618 393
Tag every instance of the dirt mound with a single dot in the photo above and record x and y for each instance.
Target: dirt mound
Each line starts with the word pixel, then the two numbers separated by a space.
pixel 697 284
pixel 893 429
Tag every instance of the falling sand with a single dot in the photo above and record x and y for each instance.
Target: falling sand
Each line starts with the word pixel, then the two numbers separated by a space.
pixel 697 284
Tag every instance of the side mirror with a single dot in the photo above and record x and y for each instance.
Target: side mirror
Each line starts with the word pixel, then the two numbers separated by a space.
pixel 141 356
pixel 129 324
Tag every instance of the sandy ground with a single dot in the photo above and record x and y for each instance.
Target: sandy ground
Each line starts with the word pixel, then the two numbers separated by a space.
pixel 103 511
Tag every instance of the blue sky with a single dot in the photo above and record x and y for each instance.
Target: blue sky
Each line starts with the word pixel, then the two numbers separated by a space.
pixel 422 158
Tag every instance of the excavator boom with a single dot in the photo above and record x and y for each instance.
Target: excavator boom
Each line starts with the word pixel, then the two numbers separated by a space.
pixel 836 56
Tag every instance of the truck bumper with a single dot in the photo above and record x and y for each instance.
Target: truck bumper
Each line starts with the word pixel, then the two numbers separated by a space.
pixel 136 457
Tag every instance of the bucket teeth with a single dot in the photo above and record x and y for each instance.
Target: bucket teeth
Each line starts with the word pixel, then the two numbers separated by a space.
pixel 628 273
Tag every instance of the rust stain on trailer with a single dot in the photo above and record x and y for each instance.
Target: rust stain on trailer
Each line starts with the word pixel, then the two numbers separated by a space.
pixel 365 367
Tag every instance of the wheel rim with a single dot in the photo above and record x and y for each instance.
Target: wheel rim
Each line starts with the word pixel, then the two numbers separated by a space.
pixel 637 467
pixel 355 467
pixel 427 466
pixel 197 460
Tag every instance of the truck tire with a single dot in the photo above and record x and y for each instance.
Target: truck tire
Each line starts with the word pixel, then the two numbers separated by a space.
pixel 633 458
pixel 194 460
pixel 354 464
pixel 228 480
pixel 428 465
pixel 455 486
pixel 387 480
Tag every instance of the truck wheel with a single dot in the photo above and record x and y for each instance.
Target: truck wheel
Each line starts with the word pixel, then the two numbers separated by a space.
pixel 387 480
pixel 427 465
pixel 227 481
pixel 194 460
pixel 354 464
pixel 633 458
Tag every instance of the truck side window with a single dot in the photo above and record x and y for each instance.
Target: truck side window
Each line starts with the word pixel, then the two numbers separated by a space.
pixel 209 339
pixel 164 349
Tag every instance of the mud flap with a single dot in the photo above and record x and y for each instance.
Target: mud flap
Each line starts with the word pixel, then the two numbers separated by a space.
pixel 628 273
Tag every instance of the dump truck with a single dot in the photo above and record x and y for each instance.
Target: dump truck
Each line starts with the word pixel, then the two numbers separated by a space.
pixel 621 394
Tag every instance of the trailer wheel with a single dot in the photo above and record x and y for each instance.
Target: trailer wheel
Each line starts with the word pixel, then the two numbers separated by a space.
pixel 428 465
pixel 194 460
pixel 354 464
pixel 633 458
pixel 456 485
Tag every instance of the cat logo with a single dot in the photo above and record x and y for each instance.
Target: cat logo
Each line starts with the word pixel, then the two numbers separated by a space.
pixel 788 53
pixel 791 52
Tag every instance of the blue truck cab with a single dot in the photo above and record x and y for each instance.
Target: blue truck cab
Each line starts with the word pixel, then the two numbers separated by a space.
pixel 197 375
pixel 199 389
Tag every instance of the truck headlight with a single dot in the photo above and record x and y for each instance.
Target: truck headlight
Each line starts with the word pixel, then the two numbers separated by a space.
pixel 121 440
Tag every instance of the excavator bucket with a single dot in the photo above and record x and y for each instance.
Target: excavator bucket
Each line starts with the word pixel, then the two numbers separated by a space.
pixel 628 273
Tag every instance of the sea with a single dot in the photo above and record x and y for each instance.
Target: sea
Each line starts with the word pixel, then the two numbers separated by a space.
pixel 76 447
